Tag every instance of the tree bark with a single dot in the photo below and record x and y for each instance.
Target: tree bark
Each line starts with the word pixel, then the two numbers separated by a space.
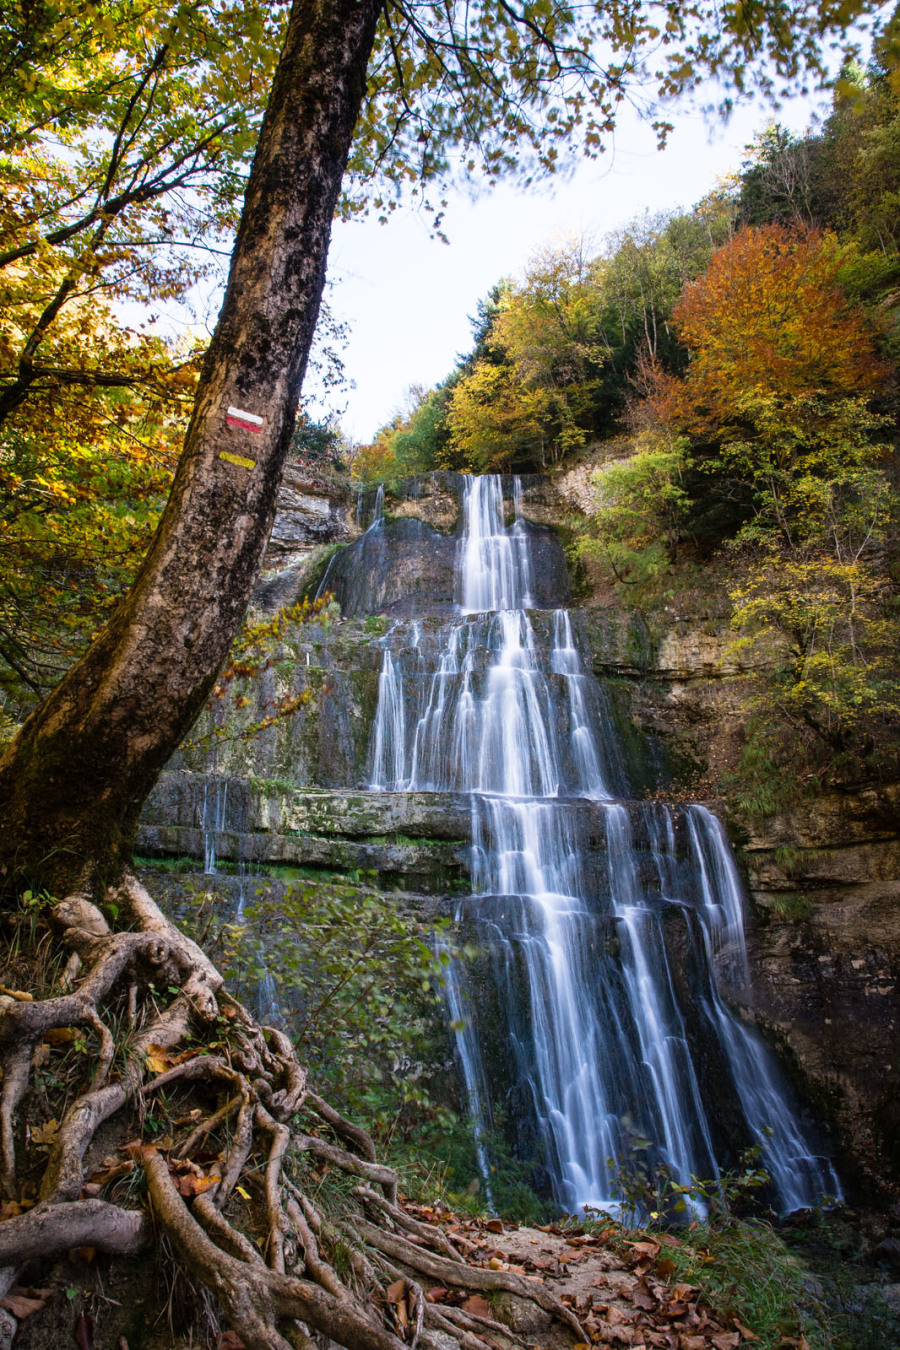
pixel 74 780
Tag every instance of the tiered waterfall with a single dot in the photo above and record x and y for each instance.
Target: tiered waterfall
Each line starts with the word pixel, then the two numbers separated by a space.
pixel 601 1016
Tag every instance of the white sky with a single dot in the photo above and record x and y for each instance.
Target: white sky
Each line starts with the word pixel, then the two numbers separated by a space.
pixel 407 297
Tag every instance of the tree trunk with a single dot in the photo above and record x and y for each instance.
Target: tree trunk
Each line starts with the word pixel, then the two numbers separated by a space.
pixel 73 782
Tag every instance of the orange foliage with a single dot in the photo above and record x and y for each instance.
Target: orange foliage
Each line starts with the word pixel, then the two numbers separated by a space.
pixel 768 318
pixel 375 462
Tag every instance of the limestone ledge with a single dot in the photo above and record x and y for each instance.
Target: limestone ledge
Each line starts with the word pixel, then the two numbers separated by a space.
pixel 416 838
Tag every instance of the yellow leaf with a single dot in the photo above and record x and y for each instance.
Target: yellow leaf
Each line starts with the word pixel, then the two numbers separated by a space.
pixel 43 1136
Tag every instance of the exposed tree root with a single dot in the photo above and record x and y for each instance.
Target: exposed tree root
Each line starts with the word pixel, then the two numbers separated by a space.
pixel 160 1023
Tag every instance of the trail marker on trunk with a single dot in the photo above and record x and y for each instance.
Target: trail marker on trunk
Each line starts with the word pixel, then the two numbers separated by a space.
pixel 247 421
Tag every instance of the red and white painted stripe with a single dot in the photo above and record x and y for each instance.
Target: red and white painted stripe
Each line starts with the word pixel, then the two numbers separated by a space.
pixel 247 421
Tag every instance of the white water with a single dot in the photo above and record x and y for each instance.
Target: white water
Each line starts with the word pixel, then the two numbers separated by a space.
pixel 600 1042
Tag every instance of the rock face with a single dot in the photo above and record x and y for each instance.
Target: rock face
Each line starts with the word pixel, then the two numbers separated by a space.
pixel 413 841
pixel 824 878
pixel 827 957
pixel 314 511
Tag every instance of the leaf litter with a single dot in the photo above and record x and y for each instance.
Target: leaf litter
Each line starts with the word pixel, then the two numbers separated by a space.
pixel 622 1291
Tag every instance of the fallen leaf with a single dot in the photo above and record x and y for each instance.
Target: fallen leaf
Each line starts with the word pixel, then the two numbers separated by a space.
pixel 22 1303
pixel 642 1296
pixel 191 1118
pixel 395 1291
pixel 59 1036
pixel 729 1340
pixel 158 1058
pixel 202 1184
pixel 683 1291
pixel 10 1209
pixel 84 1332
pixel 41 1056
pixel 495 1263
pixel 494 1226
pixel 746 1333
pixel 477 1306
pixel 190 1181
pixel 674 1309
pixel 82 1253
pixel 694 1343
pixel 43 1136
pixel 436 1295
pixel 665 1267
pixel 617 1335
pixel 230 1340
pixel 114 1168
pixel 138 1151
pixel 617 1318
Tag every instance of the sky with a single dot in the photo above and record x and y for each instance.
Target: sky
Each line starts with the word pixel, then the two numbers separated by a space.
pixel 407 297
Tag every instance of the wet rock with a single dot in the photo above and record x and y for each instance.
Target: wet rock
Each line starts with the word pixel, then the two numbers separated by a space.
pixel 417 841
pixel 520 1314
pixel 401 567
pixel 8 1328
pixel 887 1253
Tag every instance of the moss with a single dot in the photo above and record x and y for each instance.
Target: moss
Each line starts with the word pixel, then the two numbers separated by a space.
pixel 789 905
pixel 182 863
pixel 644 765
pixel 620 637
pixel 407 841
pixel 272 787
pixel 317 569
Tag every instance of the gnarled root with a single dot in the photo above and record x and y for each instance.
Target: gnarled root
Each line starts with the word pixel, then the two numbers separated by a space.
pixel 272 1275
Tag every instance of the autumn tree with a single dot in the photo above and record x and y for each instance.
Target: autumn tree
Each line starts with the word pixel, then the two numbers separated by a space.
pixel 769 318
pixel 424 87
pixel 529 396
pixel 412 442
pixel 560 355
pixel 84 474
pixel 127 131
pixel 781 456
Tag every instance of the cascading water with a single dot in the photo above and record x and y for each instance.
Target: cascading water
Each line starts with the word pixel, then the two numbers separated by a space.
pixel 371 540
pixel 577 898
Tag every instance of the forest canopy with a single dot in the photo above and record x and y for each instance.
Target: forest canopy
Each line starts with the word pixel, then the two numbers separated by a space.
pixel 563 354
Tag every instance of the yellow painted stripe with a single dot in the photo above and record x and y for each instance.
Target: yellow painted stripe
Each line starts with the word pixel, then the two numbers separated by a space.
pixel 238 459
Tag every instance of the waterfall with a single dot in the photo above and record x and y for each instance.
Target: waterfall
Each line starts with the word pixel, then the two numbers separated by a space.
pixel 495 565
pixel 212 811
pixel 602 1039
pixel 372 539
